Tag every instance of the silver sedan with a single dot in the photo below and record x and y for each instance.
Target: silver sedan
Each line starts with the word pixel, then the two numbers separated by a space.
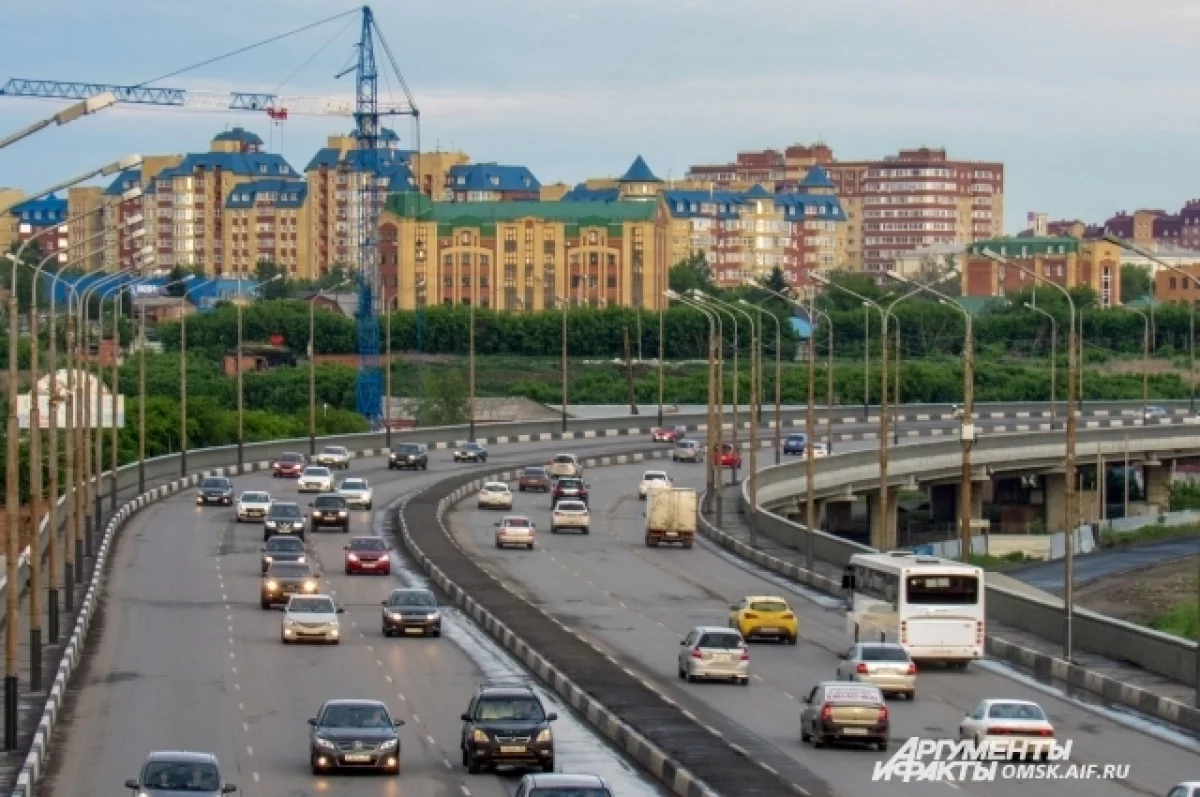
pixel 357 492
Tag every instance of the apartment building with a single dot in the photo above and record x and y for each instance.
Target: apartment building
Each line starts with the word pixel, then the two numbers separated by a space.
pixel 1171 286
pixel 1069 262
pixel 37 218
pixel 914 199
pixel 1153 229
pixel 491 182
pixel 522 255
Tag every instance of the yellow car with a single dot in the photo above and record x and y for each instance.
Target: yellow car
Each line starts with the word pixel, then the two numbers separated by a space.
pixel 765 617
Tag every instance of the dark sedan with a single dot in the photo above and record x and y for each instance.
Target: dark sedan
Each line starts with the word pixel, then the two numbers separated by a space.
pixel 330 510
pixel 354 734
pixel 409 455
pixel 283 548
pixel 412 611
pixel 289 466
pixel 795 444
pixel 285 579
pixel 471 452
pixel 535 477
pixel 215 490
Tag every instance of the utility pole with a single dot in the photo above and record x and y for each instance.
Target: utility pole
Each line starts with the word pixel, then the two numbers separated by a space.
pixel 633 408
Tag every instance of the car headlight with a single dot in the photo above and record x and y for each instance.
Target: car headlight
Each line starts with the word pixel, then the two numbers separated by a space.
pixel 480 736
pixel 544 736
pixel 300 560
pixel 431 616
pixel 341 514
pixel 310 586
pixel 271 524
pixel 324 744
pixel 390 744
pixel 353 557
pixel 272 586
pixel 268 559
pixel 395 616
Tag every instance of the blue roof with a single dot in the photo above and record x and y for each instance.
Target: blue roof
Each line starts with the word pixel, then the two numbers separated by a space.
pixel 288 193
pixel 221 290
pixel 581 193
pixel 247 164
pixel 356 159
pixel 44 212
pixel 758 192
pixel 801 327
pixel 724 204
pixel 240 135
pixel 491 177
pixel 639 172
pixel 823 207
pixel 816 178
pixel 130 178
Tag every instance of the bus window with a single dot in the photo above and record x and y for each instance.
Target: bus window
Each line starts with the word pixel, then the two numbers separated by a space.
pixel 942 590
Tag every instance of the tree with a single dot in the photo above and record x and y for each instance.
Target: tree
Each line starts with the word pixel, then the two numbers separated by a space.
pixel 281 288
pixel 446 401
pixel 177 284
pixel 1135 282
pixel 690 274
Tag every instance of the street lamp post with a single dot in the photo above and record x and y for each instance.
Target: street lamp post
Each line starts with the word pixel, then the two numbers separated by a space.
pixel 67 115
pixel 829 380
pixel 1072 371
pixel 662 348
pixel 1145 361
pixel 312 366
pixel 755 380
pixel 712 457
pixel 700 296
pixel 183 364
pixel 130 162
pixel 778 364
pixel 564 303
pixel 12 543
pixel 1053 360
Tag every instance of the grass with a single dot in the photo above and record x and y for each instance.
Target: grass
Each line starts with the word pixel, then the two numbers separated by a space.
pixel 1006 562
pixel 1183 620
pixel 1151 533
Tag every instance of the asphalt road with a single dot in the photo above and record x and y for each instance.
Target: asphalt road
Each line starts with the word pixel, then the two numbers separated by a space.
pixel 1048 576
pixel 637 603
pixel 183 658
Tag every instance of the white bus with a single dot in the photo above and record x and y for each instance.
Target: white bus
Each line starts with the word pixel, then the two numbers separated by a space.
pixel 933 607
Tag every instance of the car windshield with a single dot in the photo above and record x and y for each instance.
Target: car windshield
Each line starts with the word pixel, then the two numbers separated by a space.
pixel 368 544
pixel 570 484
pixel 316 471
pixel 720 641
pixel 768 607
pixel 215 484
pixel 291 458
pixel 411 599
pixel 355 716
pixel 686 444
pixel 256 498
pixel 525 709
pixel 311 606
pixel 472 446
pixel 285 545
pixel 181 776
pixel 408 448
pixel 883 653
pixel 536 472
pixel 290 570
pixel 285 511
pixel 330 502
pixel 571 506
pixel 565 459
pixel 333 450
pixel 654 476
pixel 1016 711
pixel 354 484
pixel 796 438
pixel 495 488
pixel 518 522
pixel 569 791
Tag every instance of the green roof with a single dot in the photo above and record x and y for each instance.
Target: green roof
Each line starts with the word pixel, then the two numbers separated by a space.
pixel 977 304
pixel 478 214
pixel 1021 246
pixel 1142 303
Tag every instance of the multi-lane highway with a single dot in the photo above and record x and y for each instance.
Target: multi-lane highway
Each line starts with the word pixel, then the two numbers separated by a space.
pixel 636 603
pixel 184 657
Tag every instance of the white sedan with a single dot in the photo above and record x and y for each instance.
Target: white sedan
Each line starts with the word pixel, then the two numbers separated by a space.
pixel 570 514
pixel 495 495
pixel 1009 721
pixel 316 479
pixel 357 492
pixel 652 478
pixel 820 450
pixel 311 618
pixel 252 506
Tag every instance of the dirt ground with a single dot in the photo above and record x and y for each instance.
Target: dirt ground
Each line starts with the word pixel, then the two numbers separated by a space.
pixel 1143 594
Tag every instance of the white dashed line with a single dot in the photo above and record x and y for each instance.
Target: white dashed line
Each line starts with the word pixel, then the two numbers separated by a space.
pixel 370 648
pixel 446 761
pixel 789 695
pixel 380 663
pixel 227 609
pixel 255 777
pixel 402 698
pixel 237 687
pixel 241 706
pixel 769 768
pixel 224 597
pixel 416 719
pixel 246 727
pixel 689 714
pixel 431 741
pixel 231 638
pixel 756 677
pixel 249 750
pixel 389 678
pixel 713 731
pixel 466 792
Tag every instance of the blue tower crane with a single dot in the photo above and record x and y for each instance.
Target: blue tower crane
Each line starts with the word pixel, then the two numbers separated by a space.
pixel 366 111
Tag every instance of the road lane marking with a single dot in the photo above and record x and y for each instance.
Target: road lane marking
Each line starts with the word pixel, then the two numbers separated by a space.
pixel 255 777
pixel 789 695
pixel 237 687
pixel 403 699
pixel 432 741
pixel 246 727
pixel 224 597
pixel 389 678
pixel 416 719
pixel 756 677
pixel 370 648
pixel 466 792
pixel 241 706
pixel 380 663
pixel 249 750
pixel 446 761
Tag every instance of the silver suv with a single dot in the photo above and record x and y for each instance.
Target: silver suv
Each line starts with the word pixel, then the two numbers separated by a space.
pixel 178 772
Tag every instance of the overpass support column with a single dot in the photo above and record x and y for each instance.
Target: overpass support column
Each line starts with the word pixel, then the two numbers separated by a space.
pixel 943 503
pixel 880 525
pixel 839 515
pixel 1056 502
pixel 1158 485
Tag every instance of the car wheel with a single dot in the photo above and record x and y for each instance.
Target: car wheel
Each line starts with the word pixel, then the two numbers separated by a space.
pixel 744 681
pixel 316 770
pixel 239 520
pixel 425 466
pixel 474 767
pixel 347 571
pixel 265 604
pixel 531 546
pixel 691 678
pixel 586 530
pixel 520 489
pixel 554 530
pixel 791 640
pixel 437 632
pixel 369 506
pixel 804 737
pixel 682 674
pixel 817 741
pixel 911 695
pixel 881 745
pixel 548 765
pixel 385 631
pixel 498 544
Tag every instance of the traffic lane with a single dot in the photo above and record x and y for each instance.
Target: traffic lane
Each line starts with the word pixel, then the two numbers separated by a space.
pixel 286 684
pixel 155 675
pixel 1098 736
pixel 1048 576
pixel 635 599
pixel 433 679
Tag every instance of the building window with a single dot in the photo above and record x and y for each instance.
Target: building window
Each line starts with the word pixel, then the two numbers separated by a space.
pixel 466 259
pixel 612 281
pixel 466 282
pixel 448 282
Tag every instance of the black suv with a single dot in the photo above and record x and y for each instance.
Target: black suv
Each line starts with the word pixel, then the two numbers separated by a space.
pixel 569 487
pixel 506 725
pixel 409 455
pixel 354 734
pixel 283 517
pixel 330 510
pixel 215 490
pixel 282 548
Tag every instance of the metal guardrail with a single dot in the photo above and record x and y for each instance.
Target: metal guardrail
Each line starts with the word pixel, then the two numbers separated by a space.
pixel 1157 652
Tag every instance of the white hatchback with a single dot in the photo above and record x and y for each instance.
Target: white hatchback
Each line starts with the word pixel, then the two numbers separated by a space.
pixel 651 479
pixel 570 514
pixel 495 495
pixel 252 507
pixel 357 493
pixel 316 479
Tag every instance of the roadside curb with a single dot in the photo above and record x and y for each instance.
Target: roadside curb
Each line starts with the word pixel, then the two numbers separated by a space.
pixel 1044 667
pixel 678 779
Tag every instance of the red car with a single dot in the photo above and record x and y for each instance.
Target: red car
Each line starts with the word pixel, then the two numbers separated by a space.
pixel 288 466
pixel 730 457
pixel 368 555
pixel 666 434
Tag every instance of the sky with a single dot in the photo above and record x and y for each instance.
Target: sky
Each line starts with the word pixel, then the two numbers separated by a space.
pixel 1090 104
